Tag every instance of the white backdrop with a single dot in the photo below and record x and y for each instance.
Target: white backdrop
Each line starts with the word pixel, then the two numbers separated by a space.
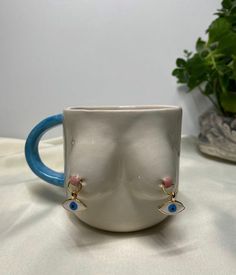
pixel 58 53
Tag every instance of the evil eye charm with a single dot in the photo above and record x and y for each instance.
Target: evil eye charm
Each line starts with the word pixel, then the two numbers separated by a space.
pixel 74 205
pixel 172 208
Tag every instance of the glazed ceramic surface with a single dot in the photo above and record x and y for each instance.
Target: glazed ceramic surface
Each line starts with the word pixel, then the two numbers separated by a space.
pixel 122 153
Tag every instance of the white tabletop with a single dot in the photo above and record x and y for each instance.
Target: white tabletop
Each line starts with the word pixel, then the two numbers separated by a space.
pixel 39 237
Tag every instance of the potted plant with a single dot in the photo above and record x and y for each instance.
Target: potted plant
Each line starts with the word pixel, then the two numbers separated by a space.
pixel 211 69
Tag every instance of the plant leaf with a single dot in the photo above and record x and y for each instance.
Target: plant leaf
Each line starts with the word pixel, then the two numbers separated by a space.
pixel 221 31
pixel 180 62
pixel 197 69
pixel 228 102
pixel 200 45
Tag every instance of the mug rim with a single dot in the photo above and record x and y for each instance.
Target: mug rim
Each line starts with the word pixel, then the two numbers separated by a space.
pixel 121 108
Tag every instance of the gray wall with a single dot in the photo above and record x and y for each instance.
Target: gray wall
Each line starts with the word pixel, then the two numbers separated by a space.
pixel 58 53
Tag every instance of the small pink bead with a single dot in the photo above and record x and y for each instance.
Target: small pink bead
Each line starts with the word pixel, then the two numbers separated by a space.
pixel 167 182
pixel 75 180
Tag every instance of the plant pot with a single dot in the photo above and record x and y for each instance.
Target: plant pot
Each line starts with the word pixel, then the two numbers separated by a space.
pixel 218 135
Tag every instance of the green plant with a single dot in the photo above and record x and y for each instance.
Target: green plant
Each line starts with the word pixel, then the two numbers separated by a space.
pixel 212 68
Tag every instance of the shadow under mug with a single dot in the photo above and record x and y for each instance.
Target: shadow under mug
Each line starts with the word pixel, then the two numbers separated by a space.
pixel 122 153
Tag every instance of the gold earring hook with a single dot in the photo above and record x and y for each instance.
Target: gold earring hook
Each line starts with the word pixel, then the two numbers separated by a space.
pixel 74 185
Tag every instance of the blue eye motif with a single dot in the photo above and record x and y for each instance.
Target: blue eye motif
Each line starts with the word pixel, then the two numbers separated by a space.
pixel 74 205
pixel 172 208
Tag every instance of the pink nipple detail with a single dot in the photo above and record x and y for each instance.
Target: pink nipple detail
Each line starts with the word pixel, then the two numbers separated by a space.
pixel 167 182
pixel 75 180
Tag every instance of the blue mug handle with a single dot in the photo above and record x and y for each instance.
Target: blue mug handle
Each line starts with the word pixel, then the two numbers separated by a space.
pixel 32 151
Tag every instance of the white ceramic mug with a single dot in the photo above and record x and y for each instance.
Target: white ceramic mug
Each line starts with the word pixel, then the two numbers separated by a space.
pixel 122 155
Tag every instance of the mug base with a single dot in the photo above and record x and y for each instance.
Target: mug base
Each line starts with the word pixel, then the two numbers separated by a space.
pixel 124 228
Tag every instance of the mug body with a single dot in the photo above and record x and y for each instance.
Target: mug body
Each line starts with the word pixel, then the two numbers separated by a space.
pixel 122 153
